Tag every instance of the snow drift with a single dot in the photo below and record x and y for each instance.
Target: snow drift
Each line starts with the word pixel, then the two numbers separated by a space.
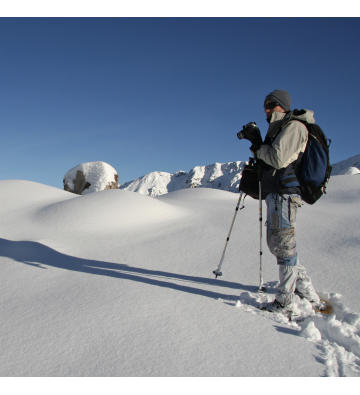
pixel 126 289
pixel 348 171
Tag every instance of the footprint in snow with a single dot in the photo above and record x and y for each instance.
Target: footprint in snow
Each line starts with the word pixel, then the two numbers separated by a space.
pixel 336 334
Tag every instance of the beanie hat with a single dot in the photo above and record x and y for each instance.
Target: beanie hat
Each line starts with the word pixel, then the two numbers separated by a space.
pixel 282 97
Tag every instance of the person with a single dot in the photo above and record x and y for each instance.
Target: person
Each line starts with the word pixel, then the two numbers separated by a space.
pixel 280 155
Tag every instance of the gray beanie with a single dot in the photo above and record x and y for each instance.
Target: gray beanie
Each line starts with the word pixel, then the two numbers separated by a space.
pixel 282 97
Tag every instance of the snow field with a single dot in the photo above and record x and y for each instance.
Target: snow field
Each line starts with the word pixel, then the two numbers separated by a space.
pixel 120 284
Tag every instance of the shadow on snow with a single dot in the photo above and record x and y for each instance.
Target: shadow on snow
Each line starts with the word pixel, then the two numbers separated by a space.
pixel 36 254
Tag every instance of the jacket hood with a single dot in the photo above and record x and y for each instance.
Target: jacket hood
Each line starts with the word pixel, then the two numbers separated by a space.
pixel 301 115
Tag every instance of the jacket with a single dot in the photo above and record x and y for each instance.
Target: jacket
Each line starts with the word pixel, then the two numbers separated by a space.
pixel 281 152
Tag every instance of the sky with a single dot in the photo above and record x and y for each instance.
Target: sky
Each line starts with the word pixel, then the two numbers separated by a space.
pixel 165 94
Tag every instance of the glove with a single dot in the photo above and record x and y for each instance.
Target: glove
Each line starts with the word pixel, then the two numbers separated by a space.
pixel 250 132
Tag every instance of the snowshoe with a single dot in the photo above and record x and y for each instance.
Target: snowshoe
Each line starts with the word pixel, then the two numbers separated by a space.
pixel 319 305
pixel 322 307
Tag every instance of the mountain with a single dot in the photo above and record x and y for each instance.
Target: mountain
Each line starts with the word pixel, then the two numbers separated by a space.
pixel 224 176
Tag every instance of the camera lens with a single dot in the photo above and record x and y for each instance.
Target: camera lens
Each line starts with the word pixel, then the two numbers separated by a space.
pixel 240 135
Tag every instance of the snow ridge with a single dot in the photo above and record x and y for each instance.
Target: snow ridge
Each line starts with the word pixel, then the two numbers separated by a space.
pixel 224 176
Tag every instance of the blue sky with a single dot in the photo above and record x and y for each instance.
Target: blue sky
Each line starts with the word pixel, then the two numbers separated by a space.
pixel 165 94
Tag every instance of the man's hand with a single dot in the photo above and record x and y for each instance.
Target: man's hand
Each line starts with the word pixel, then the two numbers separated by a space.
pixel 252 133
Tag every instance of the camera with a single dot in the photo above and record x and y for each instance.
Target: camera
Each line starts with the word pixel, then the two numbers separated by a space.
pixel 250 127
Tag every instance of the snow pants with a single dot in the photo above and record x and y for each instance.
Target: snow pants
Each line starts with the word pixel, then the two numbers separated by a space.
pixel 281 221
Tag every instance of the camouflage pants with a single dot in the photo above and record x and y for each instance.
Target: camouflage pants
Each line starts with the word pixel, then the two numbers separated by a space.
pixel 281 221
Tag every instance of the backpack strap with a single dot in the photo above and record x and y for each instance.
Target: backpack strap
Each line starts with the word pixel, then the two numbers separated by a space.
pixel 290 181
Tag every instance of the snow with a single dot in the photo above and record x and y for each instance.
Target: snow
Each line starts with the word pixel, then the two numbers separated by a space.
pixel 310 332
pixel 348 171
pixel 120 284
pixel 223 176
pixel 98 174
pixel 346 166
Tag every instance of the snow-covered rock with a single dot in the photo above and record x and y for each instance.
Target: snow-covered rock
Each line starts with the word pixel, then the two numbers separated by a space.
pixel 224 176
pixel 343 167
pixel 90 177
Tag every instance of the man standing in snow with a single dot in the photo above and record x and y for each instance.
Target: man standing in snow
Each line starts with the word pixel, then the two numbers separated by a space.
pixel 280 154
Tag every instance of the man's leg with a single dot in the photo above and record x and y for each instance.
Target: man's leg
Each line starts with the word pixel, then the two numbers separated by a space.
pixel 281 220
pixel 285 293
pixel 304 287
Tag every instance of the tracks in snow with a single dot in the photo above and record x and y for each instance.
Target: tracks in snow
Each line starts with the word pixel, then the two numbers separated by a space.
pixel 335 335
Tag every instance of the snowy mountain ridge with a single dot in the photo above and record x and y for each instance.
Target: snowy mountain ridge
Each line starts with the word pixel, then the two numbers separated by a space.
pixel 223 176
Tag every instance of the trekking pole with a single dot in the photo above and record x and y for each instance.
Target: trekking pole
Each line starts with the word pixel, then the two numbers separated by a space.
pixel 218 272
pixel 261 288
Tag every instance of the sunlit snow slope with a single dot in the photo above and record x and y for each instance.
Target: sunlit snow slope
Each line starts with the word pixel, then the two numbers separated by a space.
pixel 116 283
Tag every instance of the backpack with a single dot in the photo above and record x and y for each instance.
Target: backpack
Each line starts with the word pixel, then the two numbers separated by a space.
pixel 314 170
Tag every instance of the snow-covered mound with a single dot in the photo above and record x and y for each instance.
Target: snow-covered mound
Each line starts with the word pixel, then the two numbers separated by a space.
pixel 349 171
pixel 126 288
pixel 223 176
pixel 90 177
pixel 345 167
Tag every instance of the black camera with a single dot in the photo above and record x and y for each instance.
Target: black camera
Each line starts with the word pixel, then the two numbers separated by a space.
pixel 250 127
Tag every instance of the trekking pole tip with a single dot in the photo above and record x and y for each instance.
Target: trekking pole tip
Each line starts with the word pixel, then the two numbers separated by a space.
pixel 217 273
pixel 262 290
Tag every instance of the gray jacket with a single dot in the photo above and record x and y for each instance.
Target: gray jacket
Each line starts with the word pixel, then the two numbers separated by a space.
pixel 282 150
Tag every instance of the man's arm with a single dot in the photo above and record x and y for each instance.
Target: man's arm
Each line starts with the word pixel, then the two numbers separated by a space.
pixel 286 147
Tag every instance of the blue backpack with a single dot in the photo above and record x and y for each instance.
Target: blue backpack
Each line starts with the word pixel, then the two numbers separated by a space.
pixel 314 170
